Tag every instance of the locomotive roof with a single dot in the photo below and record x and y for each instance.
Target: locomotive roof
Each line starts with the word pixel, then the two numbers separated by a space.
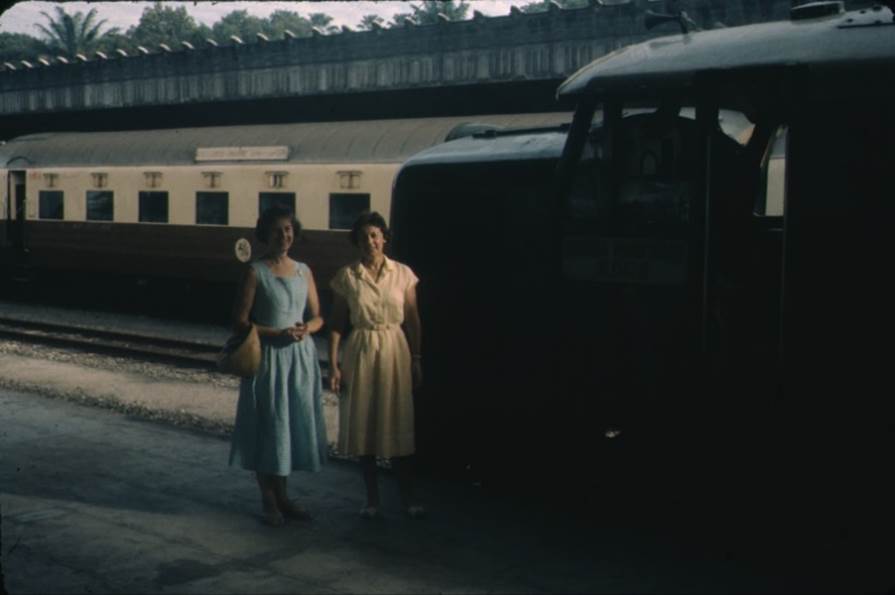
pixel 543 143
pixel 519 145
pixel 843 43
pixel 368 141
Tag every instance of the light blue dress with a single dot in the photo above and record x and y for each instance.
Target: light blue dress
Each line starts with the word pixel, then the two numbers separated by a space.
pixel 279 417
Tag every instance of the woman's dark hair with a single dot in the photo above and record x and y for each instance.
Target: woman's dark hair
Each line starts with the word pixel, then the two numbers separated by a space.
pixel 271 215
pixel 369 218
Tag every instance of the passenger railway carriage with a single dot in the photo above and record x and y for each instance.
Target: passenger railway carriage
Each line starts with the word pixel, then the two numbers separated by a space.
pixel 662 307
pixel 182 203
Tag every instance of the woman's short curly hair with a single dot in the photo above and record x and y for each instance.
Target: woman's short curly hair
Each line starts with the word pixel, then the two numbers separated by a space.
pixel 369 218
pixel 270 216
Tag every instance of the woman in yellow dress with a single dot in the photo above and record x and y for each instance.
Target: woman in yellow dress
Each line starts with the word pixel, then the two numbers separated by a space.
pixel 381 363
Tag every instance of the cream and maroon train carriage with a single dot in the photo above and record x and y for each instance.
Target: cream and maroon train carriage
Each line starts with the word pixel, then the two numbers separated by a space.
pixel 182 203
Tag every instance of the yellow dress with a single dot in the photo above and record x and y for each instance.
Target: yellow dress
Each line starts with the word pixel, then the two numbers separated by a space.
pixel 376 407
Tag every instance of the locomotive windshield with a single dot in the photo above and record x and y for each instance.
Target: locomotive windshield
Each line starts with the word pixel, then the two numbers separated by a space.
pixel 631 197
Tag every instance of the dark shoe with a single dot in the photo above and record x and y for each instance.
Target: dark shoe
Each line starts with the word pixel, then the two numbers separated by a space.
pixel 370 513
pixel 273 518
pixel 416 511
pixel 294 511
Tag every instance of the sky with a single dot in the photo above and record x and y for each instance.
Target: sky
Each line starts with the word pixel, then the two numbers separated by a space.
pixel 22 16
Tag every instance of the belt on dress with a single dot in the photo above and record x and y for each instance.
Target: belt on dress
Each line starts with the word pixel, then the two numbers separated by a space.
pixel 378 327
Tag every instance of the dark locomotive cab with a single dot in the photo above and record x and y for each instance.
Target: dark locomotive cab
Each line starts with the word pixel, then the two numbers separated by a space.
pixel 670 306
pixel 562 327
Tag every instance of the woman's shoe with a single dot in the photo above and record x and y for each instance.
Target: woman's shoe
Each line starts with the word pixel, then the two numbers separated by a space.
pixel 416 511
pixel 295 512
pixel 273 518
pixel 370 513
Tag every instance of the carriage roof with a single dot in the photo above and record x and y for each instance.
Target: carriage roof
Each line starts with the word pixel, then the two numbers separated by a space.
pixel 372 141
pixel 846 45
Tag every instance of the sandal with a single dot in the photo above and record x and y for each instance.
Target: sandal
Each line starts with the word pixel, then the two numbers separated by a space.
pixel 416 511
pixel 370 512
pixel 296 512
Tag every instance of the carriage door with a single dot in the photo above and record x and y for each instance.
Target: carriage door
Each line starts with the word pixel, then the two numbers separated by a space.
pixel 16 211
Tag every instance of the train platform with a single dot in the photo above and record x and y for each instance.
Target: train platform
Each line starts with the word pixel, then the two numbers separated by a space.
pixel 113 481
pixel 94 501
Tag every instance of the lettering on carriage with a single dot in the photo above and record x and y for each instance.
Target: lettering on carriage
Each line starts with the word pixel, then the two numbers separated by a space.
pixel 274 153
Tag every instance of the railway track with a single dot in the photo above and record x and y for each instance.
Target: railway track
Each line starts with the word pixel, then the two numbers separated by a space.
pixel 137 346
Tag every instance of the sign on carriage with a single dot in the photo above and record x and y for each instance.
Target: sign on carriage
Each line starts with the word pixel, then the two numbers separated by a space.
pixel 242 153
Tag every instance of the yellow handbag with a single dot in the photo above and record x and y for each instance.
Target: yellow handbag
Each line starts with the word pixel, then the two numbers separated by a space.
pixel 241 355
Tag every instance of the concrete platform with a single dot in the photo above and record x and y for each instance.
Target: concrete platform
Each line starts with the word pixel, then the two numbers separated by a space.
pixel 97 501
pixel 114 483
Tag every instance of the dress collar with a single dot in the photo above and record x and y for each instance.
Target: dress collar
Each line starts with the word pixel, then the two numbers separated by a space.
pixel 361 271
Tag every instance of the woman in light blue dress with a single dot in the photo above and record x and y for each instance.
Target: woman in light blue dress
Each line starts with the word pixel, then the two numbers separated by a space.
pixel 279 417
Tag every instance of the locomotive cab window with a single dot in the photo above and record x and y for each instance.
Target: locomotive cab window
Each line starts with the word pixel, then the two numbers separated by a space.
pixel 153 207
pixel 51 204
pixel 212 208
pixel 771 190
pixel 344 209
pixel 269 199
pixel 628 206
pixel 100 205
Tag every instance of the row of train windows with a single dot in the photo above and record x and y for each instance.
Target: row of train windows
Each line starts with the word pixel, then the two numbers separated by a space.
pixel 211 207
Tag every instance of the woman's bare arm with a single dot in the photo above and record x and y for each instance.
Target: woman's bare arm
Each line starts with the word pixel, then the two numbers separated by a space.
pixel 337 320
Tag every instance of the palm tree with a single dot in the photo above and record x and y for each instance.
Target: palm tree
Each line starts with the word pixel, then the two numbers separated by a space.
pixel 73 34
pixel 367 22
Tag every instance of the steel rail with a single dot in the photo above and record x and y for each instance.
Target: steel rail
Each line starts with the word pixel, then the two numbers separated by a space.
pixel 193 354
pixel 147 347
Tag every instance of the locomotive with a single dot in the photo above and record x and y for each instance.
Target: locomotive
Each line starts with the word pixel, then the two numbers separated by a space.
pixel 175 209
pixel 662 305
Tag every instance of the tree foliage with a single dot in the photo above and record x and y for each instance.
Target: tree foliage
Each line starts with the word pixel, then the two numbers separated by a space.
pixel 163 24
pixel 427 11
pixel 18 46
pixel 368 20
pixel 239 23
pixel 281 21
pixel 71 34
pixel 323 21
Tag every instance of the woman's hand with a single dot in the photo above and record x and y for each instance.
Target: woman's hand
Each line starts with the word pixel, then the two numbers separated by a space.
pixel 295 332
pixel 335 378
pixel 301 329
pixel 416 370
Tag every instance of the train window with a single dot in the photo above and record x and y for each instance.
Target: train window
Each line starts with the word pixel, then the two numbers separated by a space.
pixel 153 207
pixel 769 200
pixel 345 208
pixel 269 199
pixel 100 205
pixel 51 204
pixel 212 208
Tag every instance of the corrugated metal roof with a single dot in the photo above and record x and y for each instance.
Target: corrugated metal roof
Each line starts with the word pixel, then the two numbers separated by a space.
pixel 368 141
